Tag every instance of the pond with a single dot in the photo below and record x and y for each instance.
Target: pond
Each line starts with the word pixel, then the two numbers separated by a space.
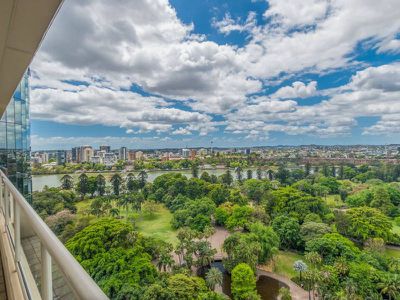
pixel 267 287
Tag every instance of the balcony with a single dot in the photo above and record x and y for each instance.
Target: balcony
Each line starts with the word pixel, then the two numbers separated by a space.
pixel 36 265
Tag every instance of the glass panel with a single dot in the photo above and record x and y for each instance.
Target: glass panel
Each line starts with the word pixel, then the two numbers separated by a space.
pixel 10 111
pixel 18 136
pixel 10 136
pixel 3 135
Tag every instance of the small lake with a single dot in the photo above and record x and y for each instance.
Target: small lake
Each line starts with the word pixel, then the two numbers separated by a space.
pixel 267 287
pixel 54 180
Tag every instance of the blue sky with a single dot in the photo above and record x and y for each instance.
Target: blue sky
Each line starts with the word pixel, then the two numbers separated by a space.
pixel 156 74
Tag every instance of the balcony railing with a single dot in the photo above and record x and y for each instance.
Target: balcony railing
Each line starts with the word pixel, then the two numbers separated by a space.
pixel 19 222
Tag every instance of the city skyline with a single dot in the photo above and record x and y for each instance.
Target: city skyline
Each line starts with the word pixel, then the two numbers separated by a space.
pixel 238 73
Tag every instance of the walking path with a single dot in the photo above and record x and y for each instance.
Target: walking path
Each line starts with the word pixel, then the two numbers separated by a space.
pixel 297 292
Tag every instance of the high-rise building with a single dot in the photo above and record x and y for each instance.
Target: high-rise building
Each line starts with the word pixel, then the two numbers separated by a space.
pixel 61 157
pixel 76 154
pixel 107 149
pixel 86 153
pixel 123 153
pixel 15 139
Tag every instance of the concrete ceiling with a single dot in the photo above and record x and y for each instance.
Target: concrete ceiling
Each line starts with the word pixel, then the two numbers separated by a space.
pixel 23 24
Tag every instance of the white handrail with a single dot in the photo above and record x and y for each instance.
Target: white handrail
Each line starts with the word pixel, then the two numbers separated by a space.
pixel 81 283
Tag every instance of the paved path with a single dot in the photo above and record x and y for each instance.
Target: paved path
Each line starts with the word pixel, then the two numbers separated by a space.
pixel 297 292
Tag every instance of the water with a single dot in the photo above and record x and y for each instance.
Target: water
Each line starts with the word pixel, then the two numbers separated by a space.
pixel 267 287
pixel 54 180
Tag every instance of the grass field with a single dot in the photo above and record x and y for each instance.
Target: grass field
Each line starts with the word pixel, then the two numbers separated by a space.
pixel 159 226
pixel 284 263
pixel 392 253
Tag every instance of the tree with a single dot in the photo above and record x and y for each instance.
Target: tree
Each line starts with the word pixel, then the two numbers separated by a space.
pixel 150 208
pixel 59 221
pixel 255 189
pixel 332 246
pixel 67 182
pixel 241 248
pixel 213 278
pixel 227 178
pixel 363 223
pixel 204 254
pixel 243 283
pixel 205 176
pixel 288 230
pixel 239 219
pixel 307 169
pixel 390 285
pixel 116 181
pixel 259 173
pixel 114 212
pixel 195 170
pixel 312 230
pixel 283 174
pixel 270 175
pixel 239 175
pixel 131 183
pixel 249 174
pixel 219 194
pixel 300 266
pixel 165 259
pixel 100 184
pixel 185 287
pixel 83 185
pixel 142 177
pixel 268 239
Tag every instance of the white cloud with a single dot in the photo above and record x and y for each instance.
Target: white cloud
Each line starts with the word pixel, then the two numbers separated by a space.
pixel 108 46
pixel 297 90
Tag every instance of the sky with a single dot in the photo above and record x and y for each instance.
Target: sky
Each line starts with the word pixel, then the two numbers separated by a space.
pixel 179 73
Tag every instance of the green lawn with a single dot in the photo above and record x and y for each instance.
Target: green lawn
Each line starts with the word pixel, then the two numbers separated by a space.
pixel 159 226
pixel 284 263
pixel 392 253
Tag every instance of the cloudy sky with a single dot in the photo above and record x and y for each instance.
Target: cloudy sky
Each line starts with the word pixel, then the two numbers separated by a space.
pixel 159 73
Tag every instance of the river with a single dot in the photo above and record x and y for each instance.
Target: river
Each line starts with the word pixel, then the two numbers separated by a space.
pixel 54 180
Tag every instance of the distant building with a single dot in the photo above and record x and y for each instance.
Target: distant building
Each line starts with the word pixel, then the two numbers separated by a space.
pixel 193 154
pixel 139 155
pixel 107 149
pixel 95 159
pixel 131 155
pixel 185 153
pixel 110 159
pixel 86 153
pixel 61 157
pixel 76 154
pixel 247 151
pixel 123 153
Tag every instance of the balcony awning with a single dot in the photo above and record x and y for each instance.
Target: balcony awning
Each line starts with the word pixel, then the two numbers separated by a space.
pixel 23 24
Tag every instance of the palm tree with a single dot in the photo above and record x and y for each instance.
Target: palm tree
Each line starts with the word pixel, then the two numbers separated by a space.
pixel 249 174
pixel 165 260
pixel 67 182
pixel 100 184
pixel 213 278
pixel 142 176
pixel 204 254
pixel 239 175
pixel 390 286
pixel 114 212
pixel 300 266
pixel 116 181
pixel 125 202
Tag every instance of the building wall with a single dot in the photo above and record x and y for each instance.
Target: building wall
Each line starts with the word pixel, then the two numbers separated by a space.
pixel 15 139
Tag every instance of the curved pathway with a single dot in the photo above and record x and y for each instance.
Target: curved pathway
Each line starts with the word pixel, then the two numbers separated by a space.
pixel 297 292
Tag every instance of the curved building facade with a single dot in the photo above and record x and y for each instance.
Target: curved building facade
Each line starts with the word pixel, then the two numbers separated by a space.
pixel 15 139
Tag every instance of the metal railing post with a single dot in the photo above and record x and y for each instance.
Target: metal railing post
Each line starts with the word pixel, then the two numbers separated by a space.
pixel 1 194
pixel 6 205
pixel 47 281
pixel 17 232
